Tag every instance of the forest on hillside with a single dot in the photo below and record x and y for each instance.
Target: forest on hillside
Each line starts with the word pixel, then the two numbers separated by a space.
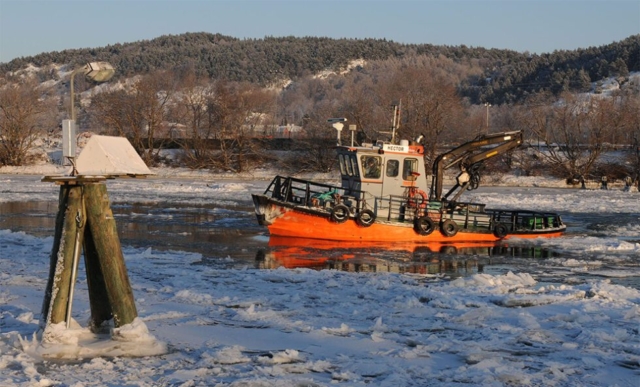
pixel 223 100
pixel 498 76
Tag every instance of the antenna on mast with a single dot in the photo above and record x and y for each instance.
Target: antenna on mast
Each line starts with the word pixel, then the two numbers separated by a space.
pixel 395 122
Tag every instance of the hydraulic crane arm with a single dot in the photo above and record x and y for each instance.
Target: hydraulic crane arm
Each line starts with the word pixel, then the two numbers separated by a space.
pixel 469 157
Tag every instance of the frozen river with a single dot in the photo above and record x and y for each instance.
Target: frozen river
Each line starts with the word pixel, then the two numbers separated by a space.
pixel 216 220
pixel 553 312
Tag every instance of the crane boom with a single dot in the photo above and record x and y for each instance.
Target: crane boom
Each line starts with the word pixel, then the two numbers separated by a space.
pixel 469 157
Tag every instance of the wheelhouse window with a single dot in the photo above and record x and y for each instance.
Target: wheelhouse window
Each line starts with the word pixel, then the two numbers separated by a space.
pixel 408 167
pixel 393 166
pixel 354 165
pixel 343 168
pixel 348 165
pixel 371 166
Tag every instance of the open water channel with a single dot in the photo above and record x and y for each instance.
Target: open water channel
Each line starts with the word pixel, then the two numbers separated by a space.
pixel 219 223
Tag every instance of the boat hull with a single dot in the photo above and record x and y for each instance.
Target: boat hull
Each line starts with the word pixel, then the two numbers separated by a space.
pixel 287 220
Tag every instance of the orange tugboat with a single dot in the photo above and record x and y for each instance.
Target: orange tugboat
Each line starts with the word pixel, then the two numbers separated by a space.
pixel 383 198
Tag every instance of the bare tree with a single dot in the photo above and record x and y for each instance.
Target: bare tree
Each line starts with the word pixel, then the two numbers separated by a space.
pixel 360 101
pixel 573 133
pixel 310 103
pixel 236 111
pixel 430 106
pixel 318 146
pixel 192 110
pixel 139 112
pixel 25 115
pixel 629 107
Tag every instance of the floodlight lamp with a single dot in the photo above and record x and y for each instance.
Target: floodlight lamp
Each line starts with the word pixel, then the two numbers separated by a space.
pixel 98 71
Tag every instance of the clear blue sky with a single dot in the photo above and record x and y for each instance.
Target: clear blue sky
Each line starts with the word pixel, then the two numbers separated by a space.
pixel 32 27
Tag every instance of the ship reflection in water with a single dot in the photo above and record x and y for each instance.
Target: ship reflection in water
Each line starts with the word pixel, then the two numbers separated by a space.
pixel 458 259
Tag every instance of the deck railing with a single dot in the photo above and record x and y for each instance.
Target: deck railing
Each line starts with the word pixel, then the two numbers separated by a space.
pixel 397 208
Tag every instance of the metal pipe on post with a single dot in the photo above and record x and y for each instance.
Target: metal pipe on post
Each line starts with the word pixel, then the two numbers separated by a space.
pixel 74 264
pixel 73 105
pixel 487 105
pixel 96 72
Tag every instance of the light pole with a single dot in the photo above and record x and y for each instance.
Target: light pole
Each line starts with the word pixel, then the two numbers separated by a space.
pixel 96 72
pixel 487 105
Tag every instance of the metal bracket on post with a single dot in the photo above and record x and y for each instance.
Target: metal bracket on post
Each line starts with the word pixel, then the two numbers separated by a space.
pixel 69 143
pixel 74 265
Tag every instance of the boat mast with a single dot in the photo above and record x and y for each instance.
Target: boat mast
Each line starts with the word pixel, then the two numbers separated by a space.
pixel 395 121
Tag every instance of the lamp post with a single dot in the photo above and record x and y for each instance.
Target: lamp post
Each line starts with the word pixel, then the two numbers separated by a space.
pixel 96 72
pixel 487 105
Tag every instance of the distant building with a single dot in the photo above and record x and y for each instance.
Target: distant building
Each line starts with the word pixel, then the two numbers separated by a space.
pixel 278 131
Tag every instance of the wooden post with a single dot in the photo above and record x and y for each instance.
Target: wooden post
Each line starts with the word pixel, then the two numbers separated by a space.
pixel 67 237
pixel 98 298
pixel 53 260
pixel 83 200
pixel 103 229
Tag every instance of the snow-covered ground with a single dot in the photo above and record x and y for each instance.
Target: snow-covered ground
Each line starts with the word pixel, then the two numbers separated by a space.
pixel 221 326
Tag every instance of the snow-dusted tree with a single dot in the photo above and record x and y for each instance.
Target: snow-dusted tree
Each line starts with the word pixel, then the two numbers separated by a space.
pixel 138 112
pixel 191 109
pixel 575 132
pixel 430 106
pixel 236 111
pixel 25 115
pixel 629 107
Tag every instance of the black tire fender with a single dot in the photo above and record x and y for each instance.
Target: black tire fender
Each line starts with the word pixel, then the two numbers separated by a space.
pixel 423 225
pixel 365 218
pixel 500 230
pixel 340 213
pixel 449 227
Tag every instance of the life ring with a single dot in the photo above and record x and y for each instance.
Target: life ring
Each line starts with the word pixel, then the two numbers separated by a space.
pixel 340 213
pixel 417 198
pixel 365 218
pixel 500 230
pixel 423 225
pixel 449 227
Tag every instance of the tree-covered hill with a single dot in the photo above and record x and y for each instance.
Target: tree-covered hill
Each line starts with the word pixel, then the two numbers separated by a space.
pixel 507 76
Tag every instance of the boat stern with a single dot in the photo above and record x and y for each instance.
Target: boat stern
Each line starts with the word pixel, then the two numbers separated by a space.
pixel 261 205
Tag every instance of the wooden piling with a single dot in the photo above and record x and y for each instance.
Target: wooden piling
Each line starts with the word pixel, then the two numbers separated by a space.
pixel 98 298
pixel 102 227
pixel 85 222
pixel 58 291
pixel 53 259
